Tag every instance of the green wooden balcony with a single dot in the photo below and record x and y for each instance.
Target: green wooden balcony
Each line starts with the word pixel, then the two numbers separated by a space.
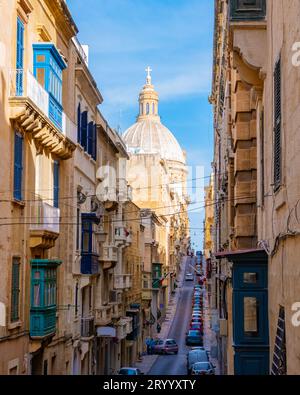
pixel 43 297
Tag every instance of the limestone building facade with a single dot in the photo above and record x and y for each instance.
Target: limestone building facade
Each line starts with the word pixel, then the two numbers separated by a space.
pixel 256 190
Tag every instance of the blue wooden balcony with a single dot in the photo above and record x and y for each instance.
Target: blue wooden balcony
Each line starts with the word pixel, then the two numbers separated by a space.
pixel 89 263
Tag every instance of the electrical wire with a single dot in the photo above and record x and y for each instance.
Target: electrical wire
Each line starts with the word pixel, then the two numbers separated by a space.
pixel 127 219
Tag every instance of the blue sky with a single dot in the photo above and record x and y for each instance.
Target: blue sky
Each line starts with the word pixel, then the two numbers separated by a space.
pixel 175 38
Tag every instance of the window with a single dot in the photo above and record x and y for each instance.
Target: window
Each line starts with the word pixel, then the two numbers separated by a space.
pixel 56 184
pixel 87 221
pixel 94 150
pixel 20 57
pixel 79 123
pixel 90 139
pixel 251 316
pixel 84 126
pixel 78 229
pixel 250 278
pixel 76 299
pixel 153 108
pixel 277 125
pixel 18 166
pixel 15 290
pixel 40 76
pixel 147 108
pixel 262 157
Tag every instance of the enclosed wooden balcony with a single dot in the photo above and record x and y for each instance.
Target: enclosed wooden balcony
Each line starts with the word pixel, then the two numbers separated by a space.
pixel 30 111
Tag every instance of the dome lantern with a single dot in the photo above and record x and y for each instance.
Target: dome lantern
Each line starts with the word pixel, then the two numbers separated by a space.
pixel 148 100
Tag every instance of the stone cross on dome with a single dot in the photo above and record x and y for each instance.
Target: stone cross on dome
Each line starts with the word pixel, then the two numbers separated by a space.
pixel 148 70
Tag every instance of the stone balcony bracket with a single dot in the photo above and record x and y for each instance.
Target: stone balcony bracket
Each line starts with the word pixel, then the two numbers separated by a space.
pixel 26 116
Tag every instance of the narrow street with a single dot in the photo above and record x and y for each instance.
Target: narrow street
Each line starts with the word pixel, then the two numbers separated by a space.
pixel 176 364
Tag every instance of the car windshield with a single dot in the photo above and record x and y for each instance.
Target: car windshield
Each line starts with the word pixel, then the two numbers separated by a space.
pixel 170 342
pixel 194 333
pixel 128 371
pixel 202 366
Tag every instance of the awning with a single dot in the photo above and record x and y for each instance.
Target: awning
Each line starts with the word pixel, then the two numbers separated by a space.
pixel 228 254
pixel 106 331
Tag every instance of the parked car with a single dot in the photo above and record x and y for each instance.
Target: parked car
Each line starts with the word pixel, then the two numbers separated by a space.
pixel 189 277
pixel 198 287
pixel 194 337
pixel 203 368
pixel 165 347
pixel 199 348
pixel 130 371
pixel 196 355
pixel 195 316
pixel 197 327
pixel 198 305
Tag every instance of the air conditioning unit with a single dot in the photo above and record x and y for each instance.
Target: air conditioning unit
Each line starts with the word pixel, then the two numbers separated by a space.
pixel 223 327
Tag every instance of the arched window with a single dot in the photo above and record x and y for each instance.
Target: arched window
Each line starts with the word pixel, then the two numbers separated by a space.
pixel 153 108
pixel 147 108
pixel 141 109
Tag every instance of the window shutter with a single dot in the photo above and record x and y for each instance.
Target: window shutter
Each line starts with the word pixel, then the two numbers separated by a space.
pixel 277 125
pixel 79 123
pixel 15 290
pixel 90 138
pixel 95 142
pixel 18 166
pixel 56 184
pixel 84 118
pixel 19 57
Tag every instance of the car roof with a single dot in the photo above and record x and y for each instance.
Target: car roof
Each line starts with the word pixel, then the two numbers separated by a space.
pixel 197 350
pixel 129 367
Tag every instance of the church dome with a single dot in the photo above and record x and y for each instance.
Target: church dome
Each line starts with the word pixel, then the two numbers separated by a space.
pixel 148 135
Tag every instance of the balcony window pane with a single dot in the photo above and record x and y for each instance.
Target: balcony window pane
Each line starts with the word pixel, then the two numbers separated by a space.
pixel 251 316
pixel 37 275
pixel 40 75
pixel 41 58
pixel 86 242
pixel 36 295
pixel 250 278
